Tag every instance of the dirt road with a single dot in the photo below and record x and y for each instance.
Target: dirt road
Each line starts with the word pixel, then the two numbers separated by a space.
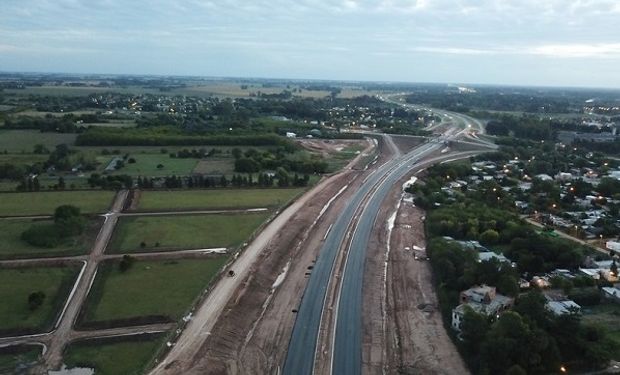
pixel 53 356
pixel 403 328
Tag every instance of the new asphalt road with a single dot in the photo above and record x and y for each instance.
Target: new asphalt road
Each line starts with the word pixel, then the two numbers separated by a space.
pixel 301 351
pixel 346 355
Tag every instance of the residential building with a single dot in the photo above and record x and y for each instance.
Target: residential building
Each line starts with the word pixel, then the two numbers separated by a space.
pixel 563 307
pixel 482 299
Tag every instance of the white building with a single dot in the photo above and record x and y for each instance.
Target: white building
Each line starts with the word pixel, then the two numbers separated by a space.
pixel 482 299
pixel 563 307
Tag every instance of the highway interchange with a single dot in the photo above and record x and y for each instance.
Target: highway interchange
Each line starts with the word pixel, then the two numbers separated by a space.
pixel 358 218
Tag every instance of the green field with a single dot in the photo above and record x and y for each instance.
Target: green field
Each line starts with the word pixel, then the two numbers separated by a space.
pixel 16 141
pixel 13 358
pixel 606 316
pixel 215 199
pixel 127 356
pixel 16 284
pixel 12 247
pixel 146 165
pixel 149 288
pixel 21 159
pixel 200 89
pixel 78 91
pixel 44 203
pixel 339 160
pixel 184 232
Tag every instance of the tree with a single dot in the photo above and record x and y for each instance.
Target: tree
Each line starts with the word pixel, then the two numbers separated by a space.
pixel 489 237
pixel 35 300
pixel 532 307
pixel 473 330
pixel 246 165
pixel 508 285
pixel 40 149
pixel 68 220
pixel 42 235
pixel 126 263
pixel 516 370
pixel 65 212
pixel 283 177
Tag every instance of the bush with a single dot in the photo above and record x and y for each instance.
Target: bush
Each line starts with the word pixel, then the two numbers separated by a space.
pixel 586 296
pixel 35 300
pixel 126 263
pixel 42 235
pixel 489 237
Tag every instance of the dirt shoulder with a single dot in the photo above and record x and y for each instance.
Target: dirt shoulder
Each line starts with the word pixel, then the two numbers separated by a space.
pixel 403 331
pixel 252 332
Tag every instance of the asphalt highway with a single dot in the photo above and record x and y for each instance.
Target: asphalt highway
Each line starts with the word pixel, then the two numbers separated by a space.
pixel 302 347
pixel 346 350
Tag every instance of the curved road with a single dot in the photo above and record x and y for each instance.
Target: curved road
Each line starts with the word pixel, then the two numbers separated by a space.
pixel 346 356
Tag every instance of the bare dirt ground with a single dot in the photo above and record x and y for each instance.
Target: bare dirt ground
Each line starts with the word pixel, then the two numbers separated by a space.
pixel 328 147
pixel 256 324
pixel 406 144
pixel 403 328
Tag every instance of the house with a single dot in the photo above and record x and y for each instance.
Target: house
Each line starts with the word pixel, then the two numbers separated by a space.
pixel 291 135
pixel 544 177
pixel 541 282
pixel 563 307
pixel 521 205
pixel 613 245
pixel 482 299
pixel 611 294
pixel 484 256
pixel 593 273
pixel 564 176
pixel 524 284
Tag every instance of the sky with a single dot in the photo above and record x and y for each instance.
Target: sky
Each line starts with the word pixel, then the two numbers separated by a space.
pixel 514 42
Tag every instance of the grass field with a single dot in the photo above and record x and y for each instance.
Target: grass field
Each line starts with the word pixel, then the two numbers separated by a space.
pixel 21 159
pixel 164 288
pixel 608 317
pixel 184 232
pixel 12 247
pixel 215 199
pixel 15 141
pixel 146 165
pixel 78 91
pixel 14 358
pixel 17 284
pixel 35 113
pixel 338 160
pixel 8 185
pixel 204 89
pixel 216 166
pixel 127 356
pixel 112 124
pixel 44 203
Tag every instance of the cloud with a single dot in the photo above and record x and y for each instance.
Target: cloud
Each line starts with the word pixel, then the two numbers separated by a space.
pixel 454 50
pixel 604 50
pixel 380 35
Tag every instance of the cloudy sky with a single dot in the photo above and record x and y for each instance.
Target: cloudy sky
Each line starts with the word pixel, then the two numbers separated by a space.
pixel 525 42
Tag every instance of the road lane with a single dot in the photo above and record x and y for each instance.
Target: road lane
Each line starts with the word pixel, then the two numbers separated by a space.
pixel 302 347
